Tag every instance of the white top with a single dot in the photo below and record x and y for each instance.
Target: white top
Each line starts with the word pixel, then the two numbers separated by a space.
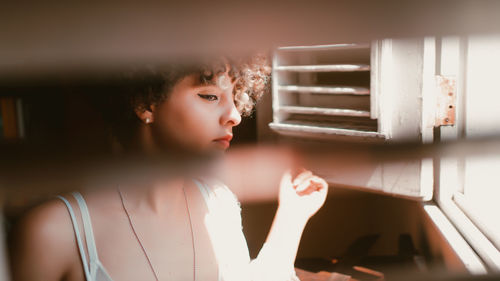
pixel 224 227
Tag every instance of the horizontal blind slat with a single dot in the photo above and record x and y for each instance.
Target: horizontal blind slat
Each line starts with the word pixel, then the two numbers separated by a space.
pixel 324 47
pixel 324 68
pixel 291 128
pixel 324 111
pixel 339 90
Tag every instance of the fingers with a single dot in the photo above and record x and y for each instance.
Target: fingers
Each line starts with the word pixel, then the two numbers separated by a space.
pixel 320 181
pixel 305 182
pixel 308 190
pixel 301 177
pixel 310 185
pixel 303 187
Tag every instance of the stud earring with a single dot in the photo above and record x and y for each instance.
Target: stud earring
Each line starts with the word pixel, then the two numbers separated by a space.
pixel 147 121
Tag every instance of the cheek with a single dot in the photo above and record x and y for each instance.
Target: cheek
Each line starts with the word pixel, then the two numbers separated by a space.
pixel 187 123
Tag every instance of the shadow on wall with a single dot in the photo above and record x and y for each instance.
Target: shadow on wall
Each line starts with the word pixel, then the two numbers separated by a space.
pixel 346 216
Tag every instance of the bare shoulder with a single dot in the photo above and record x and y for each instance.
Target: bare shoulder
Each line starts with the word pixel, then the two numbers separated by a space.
pixel 48 221
pixel 44 243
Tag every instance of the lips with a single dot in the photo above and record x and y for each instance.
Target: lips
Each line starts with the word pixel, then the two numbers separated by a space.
pixel 224 141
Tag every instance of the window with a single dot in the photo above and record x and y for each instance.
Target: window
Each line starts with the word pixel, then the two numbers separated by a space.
pixel 397 97
pixel 356 92
pixel 469 187
pixel 324 91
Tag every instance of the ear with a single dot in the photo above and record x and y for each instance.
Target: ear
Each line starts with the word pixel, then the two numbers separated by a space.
pixel 145 114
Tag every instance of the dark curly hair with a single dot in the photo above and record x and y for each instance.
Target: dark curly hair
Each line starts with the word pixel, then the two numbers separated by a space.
pixel 142 88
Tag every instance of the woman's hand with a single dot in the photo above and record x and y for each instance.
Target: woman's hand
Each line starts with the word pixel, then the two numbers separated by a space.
pixel 303 195
pixel 300 198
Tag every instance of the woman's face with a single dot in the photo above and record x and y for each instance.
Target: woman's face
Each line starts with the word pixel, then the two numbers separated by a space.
pixel 196 117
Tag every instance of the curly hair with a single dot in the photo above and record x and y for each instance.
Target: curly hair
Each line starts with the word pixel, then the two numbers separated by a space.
pixel 140 89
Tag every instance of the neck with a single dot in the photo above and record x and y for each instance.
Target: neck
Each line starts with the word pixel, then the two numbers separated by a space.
pixel 153 197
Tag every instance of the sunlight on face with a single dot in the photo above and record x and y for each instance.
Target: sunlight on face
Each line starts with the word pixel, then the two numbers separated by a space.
pixel 197 117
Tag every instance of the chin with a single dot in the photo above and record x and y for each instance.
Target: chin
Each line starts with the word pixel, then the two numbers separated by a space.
pixel 213 150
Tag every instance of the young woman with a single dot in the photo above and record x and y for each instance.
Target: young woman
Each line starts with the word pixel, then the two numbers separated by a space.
pixel 176 227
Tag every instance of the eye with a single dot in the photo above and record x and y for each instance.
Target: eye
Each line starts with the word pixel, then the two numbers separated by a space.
pixel 208 97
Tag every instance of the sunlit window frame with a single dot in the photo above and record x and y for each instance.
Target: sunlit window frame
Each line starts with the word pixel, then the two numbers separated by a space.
pixel 451 58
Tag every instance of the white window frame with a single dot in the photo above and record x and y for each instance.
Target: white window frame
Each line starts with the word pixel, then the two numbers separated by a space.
pixel 395 96
pixel 438 56
pixel 486 257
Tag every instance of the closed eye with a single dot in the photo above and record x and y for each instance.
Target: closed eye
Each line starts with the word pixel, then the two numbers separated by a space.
pixel 209 97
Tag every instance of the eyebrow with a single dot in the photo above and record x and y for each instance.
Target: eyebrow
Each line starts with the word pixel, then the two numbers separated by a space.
pixel 208 82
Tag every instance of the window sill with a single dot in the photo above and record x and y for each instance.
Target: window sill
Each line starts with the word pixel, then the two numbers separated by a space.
pixel 453 238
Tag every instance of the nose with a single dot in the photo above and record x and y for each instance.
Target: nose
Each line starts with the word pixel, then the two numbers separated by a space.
pixel 231 115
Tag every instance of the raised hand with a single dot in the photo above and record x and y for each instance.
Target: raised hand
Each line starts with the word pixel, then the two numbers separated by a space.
pixel 303 195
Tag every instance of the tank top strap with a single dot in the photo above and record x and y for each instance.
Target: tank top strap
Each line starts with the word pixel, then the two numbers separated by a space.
pixel 86 269
pixel 89 233
pixel 204 190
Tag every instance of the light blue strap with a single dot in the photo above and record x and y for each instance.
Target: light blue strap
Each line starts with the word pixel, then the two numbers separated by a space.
pixel 78 238
pixel 89 233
